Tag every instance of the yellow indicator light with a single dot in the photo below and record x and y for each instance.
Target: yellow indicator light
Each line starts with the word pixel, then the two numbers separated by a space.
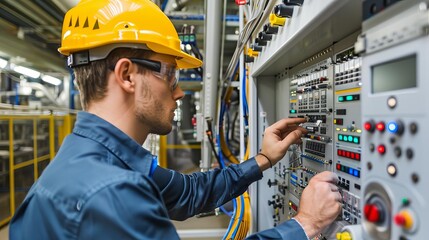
pixel 338 129
pixel 358 130
pixel 344 129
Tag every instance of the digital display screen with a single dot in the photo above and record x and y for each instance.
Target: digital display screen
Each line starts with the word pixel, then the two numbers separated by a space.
pixel 394 75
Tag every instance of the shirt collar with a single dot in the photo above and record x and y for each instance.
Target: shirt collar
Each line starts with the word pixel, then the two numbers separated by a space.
pixel 125 148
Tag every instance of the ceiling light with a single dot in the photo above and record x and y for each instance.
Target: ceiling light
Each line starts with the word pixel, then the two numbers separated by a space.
pixel 51 80
pixel 3 63
pixel 25 71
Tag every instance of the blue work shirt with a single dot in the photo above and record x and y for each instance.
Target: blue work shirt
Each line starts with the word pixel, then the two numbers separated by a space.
pixel 103 185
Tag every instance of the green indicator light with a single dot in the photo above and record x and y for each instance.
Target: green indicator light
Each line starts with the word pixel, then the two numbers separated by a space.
pixel 181 38
pixel 192 38
pixel 349 98
pixel 356 140
pixel 293 111
pixel 340 137
pixel 350 139
pixel 340 99
pixel 405 201
pixel 187 38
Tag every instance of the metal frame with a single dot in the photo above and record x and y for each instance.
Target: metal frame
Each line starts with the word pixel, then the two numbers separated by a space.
pixel 63 130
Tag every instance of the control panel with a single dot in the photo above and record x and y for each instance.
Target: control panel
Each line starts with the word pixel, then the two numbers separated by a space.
pixel 395 116
pixel 364 95
pixel 347 132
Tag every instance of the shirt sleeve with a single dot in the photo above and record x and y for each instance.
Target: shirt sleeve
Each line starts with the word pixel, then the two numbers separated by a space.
pixel 127 209
pixel 187 195
pixel 289 230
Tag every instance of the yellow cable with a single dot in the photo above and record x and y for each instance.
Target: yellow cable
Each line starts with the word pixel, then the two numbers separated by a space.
pixel 242 226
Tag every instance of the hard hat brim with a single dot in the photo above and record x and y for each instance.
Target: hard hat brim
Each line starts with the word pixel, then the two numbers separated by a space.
pixel 183 59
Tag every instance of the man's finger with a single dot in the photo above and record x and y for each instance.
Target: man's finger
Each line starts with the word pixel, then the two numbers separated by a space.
pixel 327 176
pixel 283 123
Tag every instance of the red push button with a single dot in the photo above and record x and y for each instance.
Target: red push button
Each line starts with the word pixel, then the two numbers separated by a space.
pixel 381 149
pixel 372 213
pixel 369 126
pixel 404 220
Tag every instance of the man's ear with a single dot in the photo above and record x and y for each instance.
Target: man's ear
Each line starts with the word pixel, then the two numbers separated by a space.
pixel 124 74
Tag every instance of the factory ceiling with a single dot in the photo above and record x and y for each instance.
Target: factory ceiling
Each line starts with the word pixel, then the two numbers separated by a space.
pixel 30 30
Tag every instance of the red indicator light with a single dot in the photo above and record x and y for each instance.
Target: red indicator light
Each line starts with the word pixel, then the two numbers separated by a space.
pixel 348 154
pixel 381 149
pixel 338 166
pixel 352 155
pixel 369 126
pixel 380 126
pixel 357 156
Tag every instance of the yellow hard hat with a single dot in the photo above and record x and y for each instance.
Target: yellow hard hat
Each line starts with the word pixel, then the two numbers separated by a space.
pixel 99 26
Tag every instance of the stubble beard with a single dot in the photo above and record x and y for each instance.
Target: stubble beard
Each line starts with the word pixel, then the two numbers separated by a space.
pixel 154 117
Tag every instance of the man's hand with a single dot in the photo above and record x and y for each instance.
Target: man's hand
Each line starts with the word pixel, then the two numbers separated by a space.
pixel 320 203
pixel 277 139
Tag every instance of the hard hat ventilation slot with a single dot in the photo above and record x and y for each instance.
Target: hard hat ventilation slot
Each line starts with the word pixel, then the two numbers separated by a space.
pixel 77 22
pixel 71 22
pixel 86 24
pixel 96 25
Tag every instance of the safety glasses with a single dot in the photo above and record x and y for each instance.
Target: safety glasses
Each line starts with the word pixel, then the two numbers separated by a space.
pixel 164 71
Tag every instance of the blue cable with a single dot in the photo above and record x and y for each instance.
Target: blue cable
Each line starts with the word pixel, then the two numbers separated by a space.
pixel 226 212
pixel 164 5
pixel 243 96
pixel 231 223
pixel 240 217
pixel 221 162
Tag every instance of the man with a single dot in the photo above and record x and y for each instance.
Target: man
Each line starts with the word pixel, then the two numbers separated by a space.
pixel 102 184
